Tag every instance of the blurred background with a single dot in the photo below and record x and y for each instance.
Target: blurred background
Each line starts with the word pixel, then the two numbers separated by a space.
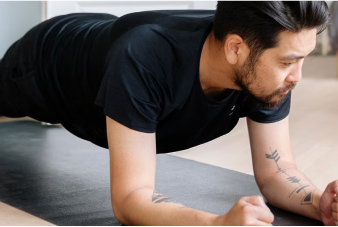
pixel 17 17
pixel 314 111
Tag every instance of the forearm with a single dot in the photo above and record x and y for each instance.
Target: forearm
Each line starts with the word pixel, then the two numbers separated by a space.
pixel 142 207
pixel 289 189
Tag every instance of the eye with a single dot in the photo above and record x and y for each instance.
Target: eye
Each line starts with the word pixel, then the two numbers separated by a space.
pixel 287 64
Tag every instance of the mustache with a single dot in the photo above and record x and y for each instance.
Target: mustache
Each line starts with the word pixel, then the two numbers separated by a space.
pixel 290 86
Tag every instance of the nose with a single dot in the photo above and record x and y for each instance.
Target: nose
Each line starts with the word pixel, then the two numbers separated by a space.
pixel 295 75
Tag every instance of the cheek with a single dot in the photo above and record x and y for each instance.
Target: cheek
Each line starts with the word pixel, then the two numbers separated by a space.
pixel 271 78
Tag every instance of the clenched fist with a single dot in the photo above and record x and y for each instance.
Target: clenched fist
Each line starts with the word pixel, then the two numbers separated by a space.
pixel 328 205
pixel 248 211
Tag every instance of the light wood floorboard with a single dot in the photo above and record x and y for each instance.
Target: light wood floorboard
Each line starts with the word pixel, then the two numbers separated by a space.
pixel 10 216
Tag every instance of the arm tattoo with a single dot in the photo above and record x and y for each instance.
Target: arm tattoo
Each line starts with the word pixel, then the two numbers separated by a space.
pixel 159 198
pixel 308 195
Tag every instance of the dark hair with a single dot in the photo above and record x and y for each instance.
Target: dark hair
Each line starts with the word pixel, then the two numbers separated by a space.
pixel 260 23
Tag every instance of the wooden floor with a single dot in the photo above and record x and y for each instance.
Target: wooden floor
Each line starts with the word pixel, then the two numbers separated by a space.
pixel 313 128
pixel 14 217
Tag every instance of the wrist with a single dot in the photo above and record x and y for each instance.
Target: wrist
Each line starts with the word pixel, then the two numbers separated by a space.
pixel 219 220
pixel 316 204
pixel 202 218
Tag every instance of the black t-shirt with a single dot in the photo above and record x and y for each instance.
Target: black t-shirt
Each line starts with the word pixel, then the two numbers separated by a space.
pixel 151 82
pixel 141 69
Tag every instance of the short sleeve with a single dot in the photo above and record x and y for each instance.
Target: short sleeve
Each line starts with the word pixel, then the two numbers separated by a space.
pixel 129 93
pixel 271 115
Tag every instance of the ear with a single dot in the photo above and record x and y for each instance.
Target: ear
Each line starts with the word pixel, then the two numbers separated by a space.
pixel 235 48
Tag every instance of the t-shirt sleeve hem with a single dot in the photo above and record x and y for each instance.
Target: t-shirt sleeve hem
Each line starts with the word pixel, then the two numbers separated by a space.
pixel 127 123
pixel 270 120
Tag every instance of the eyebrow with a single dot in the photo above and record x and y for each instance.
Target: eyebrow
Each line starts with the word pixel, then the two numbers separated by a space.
pixel 292 57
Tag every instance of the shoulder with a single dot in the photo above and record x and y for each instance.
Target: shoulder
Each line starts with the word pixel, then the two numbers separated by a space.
pixel 141 48
pixel 149 25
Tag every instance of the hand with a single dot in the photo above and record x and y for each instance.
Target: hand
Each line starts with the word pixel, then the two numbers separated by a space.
pixel 248 211
pixel 328 205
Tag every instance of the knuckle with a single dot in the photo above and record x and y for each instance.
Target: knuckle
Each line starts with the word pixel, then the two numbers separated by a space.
pixel 243 199
pixel 334 207
pixel 258 199
pixel 272 218
pixel 247 210
pixel 333 184
pixel 269 216
pixel 335 216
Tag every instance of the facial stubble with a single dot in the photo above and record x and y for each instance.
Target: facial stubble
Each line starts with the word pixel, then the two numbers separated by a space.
pixel 246 80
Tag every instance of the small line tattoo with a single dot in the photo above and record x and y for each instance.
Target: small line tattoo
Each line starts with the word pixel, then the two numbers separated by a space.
pixel 308 198
pixel 159 198
pixel 294 190
pixel 277 159
pixel 293 179
pixel 302 188
pixel 275 156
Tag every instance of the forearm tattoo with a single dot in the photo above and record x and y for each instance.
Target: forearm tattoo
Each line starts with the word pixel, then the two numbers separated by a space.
pixel 300 188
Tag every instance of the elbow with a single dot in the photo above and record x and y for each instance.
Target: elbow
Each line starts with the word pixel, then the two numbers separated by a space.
pixel 262 184
pixel 117 210
pixel 121 206
pixel 128 206
pixel 265 183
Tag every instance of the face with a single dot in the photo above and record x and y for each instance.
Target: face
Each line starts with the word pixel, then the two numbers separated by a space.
pixel 278 69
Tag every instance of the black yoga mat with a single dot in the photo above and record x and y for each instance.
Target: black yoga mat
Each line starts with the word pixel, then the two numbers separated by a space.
pixel 49 173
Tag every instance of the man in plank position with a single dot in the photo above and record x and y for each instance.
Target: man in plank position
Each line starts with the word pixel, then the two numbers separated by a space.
pixel 162 81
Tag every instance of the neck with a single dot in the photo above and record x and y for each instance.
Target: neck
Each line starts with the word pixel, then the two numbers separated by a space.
pixel 216 74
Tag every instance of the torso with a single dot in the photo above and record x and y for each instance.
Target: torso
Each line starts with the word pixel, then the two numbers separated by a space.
pixel 72 55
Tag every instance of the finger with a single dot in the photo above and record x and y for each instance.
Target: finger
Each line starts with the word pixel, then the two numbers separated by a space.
pixel 263 215
pixel 336 198
pixel 332 187
pixel 334 207
pixel 256 201
pixel 335 216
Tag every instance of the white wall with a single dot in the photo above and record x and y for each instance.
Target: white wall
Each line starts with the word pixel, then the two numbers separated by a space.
pixel 329 3
pixel 119 8
pixel 16 18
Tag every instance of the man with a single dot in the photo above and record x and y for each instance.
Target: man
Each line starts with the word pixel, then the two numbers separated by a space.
pixel 170 80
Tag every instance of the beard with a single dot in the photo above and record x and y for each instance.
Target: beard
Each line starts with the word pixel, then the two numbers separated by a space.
pixel 246 80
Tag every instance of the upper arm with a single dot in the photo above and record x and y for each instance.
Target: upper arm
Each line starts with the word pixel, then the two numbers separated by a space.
pixel 132 161
pixel 265 139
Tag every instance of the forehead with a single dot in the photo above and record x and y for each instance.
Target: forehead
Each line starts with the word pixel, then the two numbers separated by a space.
pixel 291 43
